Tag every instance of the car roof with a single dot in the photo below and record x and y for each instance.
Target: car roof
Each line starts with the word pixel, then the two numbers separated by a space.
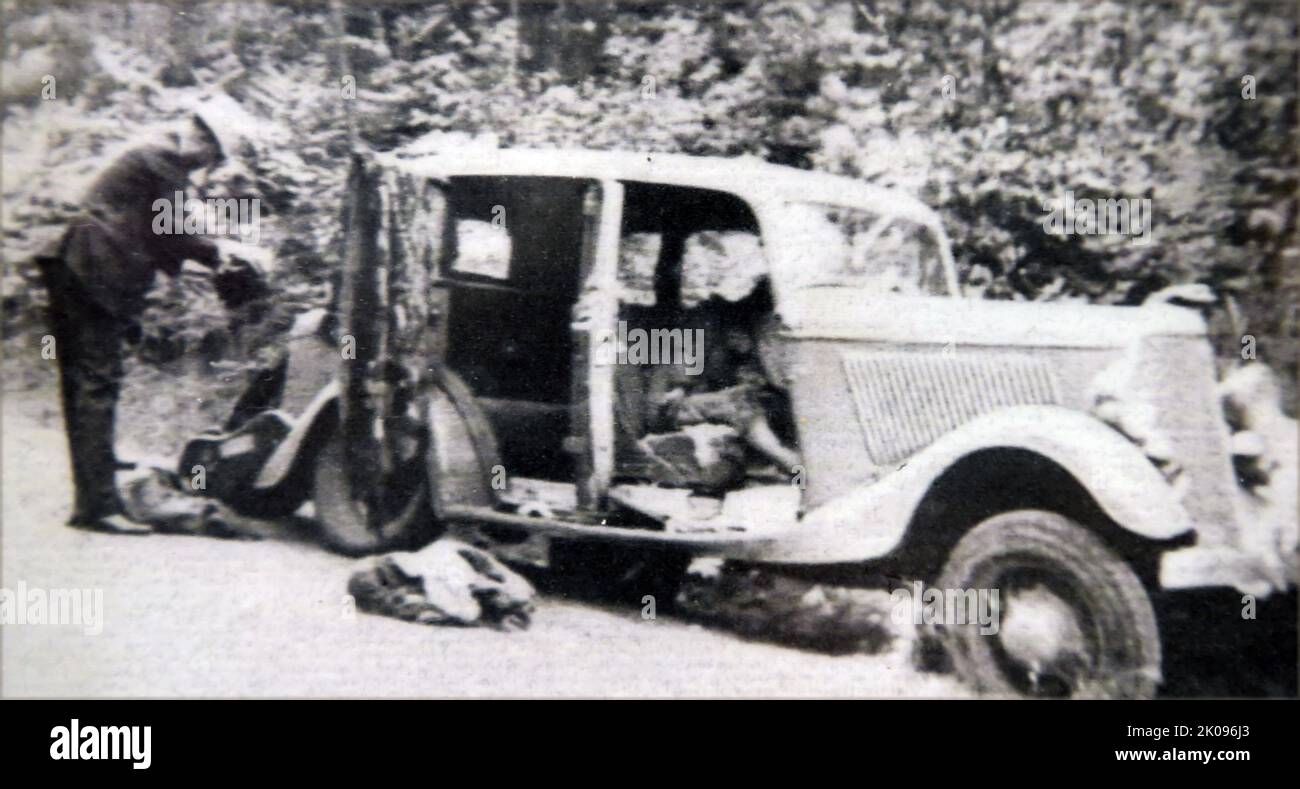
pixel 745 176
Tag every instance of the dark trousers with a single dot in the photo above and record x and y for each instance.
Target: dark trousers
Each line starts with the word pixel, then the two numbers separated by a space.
pixel 88 346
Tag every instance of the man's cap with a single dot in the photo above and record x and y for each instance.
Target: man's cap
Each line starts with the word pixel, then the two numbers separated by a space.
pixel 237 129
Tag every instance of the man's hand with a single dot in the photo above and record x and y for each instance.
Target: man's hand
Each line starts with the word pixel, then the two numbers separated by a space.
pixel 241 276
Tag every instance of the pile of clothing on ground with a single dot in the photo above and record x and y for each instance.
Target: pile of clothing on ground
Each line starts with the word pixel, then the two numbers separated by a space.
pixel 445 583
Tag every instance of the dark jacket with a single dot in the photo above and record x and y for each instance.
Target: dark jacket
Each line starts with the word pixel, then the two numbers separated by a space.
pixel 112 246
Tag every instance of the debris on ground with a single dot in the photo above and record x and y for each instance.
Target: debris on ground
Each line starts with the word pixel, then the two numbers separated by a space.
pixel 445 583
pixel 155 496
pixel 762 604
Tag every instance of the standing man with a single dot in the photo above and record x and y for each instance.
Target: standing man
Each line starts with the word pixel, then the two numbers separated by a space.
pixel 97 277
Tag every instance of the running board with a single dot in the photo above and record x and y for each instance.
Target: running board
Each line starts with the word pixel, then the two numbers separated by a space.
pixel 554 527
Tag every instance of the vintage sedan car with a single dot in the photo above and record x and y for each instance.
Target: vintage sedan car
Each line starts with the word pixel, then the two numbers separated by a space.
pixel 477 377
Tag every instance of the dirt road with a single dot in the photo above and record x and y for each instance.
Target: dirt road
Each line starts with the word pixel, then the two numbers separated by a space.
pixel 197 617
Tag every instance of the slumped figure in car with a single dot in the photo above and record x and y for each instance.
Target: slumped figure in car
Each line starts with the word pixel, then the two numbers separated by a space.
pixel 719 413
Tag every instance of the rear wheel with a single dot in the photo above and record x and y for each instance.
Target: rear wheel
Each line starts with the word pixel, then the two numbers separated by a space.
pixel 1073 620
pixel 395 515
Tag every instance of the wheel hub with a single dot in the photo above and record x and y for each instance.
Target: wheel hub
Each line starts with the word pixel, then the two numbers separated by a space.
pixel 1041 631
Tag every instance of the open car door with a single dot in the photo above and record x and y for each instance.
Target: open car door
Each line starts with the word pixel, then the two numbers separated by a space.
pixel 370 488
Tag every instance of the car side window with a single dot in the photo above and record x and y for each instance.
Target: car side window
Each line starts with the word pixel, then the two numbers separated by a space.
pixel 726 263
pixel 687 244
pixel 482 248
pixel 886 254
pixel 638 254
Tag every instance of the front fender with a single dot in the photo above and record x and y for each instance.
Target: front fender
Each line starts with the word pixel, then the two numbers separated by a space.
pixel 461 413
pixel 278 467
pixel 871 521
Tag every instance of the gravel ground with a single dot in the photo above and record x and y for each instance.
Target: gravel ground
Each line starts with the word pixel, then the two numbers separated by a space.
pixel 197 617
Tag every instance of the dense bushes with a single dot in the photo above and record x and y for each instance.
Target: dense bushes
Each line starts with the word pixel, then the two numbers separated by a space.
pixel 985 109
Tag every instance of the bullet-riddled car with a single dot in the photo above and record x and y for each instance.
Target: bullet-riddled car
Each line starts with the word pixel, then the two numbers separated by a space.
pixel 486 372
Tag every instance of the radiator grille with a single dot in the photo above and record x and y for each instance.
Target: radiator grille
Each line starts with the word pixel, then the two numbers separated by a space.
pixel 905 401
pixel 1178 380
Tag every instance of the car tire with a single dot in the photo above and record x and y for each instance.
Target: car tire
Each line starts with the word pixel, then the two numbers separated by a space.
pixel 1073 618
pixel 406 523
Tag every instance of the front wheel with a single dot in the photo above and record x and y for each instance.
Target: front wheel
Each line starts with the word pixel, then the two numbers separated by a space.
pixel 1073 620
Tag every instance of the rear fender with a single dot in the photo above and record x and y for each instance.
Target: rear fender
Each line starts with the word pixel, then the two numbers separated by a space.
pixel 464 460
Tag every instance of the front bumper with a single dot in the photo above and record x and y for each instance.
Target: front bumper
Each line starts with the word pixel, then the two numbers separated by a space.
pixel 1213 565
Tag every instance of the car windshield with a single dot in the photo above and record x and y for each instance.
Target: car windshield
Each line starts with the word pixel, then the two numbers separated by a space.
pixel 883 253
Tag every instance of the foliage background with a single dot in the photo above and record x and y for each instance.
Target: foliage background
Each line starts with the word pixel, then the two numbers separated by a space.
pixel 984 108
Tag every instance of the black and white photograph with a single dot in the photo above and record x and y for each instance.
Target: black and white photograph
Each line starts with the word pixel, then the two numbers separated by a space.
pixel 522 349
